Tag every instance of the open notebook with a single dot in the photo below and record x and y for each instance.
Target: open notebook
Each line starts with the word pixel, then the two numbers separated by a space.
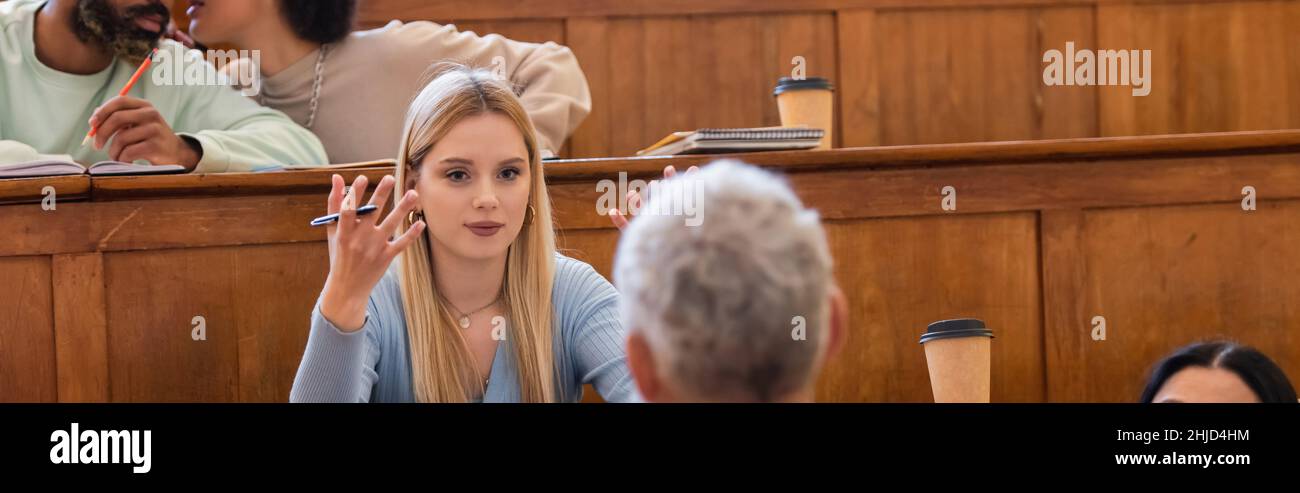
pixel 716 140
pixel 64 165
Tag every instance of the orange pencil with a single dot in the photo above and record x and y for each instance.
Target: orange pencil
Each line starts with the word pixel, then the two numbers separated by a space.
pixel 129 84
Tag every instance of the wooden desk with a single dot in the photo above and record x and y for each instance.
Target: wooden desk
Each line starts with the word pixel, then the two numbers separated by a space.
pixel 99 296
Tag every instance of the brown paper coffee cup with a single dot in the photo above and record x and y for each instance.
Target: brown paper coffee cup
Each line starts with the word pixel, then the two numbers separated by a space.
pixel 958 354
pixel 807 103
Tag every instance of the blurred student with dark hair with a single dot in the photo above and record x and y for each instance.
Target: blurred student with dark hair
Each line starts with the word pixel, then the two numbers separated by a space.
pixel 352 88
pixel 732 301
pixel 1218 372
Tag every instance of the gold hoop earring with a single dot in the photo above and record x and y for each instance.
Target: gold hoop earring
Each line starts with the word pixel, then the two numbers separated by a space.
pixel 531 213
pixel 413 216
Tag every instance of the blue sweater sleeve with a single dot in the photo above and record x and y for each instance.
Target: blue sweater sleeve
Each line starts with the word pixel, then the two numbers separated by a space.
pixel 338 366
pixel 593 331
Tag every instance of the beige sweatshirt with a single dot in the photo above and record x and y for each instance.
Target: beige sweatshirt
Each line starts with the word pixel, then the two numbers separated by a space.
pixel 369 79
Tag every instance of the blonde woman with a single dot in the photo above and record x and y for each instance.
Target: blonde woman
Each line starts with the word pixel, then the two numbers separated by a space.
pixel 478 306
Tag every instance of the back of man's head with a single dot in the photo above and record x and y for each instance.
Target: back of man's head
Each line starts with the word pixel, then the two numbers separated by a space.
pixel 734 303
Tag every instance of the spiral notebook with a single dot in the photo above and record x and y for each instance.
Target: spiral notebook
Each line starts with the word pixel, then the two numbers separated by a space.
pixel 719 140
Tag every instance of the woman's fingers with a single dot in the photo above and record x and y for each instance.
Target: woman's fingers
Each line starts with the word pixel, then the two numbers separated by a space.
pixel 335 200
pixel 633 201
pixel 348 210
pixel 332 205
pixel 619 220
pixel 401 242
pixel 357 191
pixel 405 206
pixel 382 192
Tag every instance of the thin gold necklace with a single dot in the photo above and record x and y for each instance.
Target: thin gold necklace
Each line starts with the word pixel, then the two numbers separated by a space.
pixel 462 317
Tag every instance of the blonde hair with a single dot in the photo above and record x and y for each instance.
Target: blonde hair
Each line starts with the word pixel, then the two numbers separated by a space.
pixel 442 368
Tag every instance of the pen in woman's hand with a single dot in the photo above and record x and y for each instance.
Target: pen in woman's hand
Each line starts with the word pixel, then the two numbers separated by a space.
pixel 334 218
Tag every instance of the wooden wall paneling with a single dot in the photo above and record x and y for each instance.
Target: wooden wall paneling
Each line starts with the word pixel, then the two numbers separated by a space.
pixel 27 362
pixel 1116 106
pixel 1168 276
pixel 81 327
pixel 593 246
pixel 858 80
pixel 152 356
pixel 160 224
pixel 590 42
pixel 750 54
pixel 916 277
pixel 275 290
pixel 901 274
pixel 256 302
pixel 931 70
pixel 1063 112
pixel 961 75
pixel 808 35
pixel 999 187
pixel 1217 66
pixel 665 74
pixel 613 55
pixel 671 84
pixel 378 10
pixel 1067 325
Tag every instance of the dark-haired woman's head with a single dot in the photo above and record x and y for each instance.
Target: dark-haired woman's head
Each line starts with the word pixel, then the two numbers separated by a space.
pixel 230 21
pixel 1218 372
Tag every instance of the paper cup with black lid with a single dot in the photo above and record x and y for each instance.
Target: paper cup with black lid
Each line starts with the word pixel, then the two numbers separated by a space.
pixel 807 102
pixel 957 352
